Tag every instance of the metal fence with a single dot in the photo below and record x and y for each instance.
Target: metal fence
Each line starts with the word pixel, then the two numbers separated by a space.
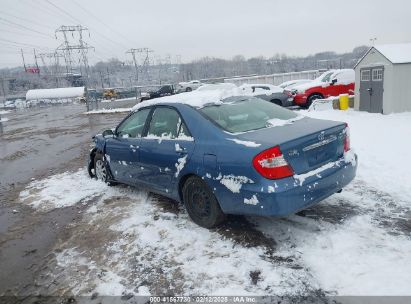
pixel 274 79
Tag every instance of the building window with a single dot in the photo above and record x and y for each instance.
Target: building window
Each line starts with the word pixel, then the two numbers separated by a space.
pixel 365 75
pixel 377 75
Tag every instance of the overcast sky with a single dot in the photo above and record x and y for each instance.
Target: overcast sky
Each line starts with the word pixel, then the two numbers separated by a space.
pixel 194 28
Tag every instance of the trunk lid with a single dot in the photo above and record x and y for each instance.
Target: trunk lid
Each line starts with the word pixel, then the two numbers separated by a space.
pixel 306 144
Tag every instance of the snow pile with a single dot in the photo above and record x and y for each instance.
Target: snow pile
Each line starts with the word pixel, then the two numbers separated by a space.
pixel 3 119
pixel 59 191
pixel 4 112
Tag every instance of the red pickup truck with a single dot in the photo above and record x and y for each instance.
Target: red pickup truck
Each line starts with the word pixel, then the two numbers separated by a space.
pixel 330 83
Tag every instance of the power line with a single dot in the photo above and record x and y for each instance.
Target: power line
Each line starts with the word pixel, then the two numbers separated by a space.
pixel 20 43
pixel 27 20
pixel 25 27
pixel 77 20
pixel 98 19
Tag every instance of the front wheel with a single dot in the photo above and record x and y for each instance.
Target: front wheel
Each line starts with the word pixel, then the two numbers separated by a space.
pixel 311 99
pixel 189 89
pixel 201 204
pixel 100 169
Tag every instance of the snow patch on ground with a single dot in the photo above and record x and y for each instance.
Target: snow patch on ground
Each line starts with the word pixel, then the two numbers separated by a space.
pixel 360 259
pixel 62 190
pixel 108 111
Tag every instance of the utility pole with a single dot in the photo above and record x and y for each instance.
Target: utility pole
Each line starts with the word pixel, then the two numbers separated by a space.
pixel 51 69
pixel 24 63
pixel 35 61
pixel 67 47
pixel 4 91
pixel 143 53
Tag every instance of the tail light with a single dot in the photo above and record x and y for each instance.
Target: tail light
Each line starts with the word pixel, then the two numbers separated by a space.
pixel 271 164
pixel 347 138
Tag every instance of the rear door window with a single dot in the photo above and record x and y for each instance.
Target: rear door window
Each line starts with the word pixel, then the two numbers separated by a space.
pixel 167 123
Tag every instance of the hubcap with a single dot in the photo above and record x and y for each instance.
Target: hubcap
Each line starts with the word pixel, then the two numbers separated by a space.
pixel 101 172
pixel 200 203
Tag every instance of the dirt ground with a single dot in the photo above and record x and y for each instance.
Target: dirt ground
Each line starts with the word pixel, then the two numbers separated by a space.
pixel 36 143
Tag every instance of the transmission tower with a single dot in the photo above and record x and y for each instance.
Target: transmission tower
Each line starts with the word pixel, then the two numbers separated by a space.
pixel 141 61
pixel 52 68
pixel 68 47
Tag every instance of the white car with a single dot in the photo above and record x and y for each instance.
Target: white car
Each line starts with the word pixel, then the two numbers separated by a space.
pixel 188 86
pixel 269 92
pixel 217 86
pixel 292 83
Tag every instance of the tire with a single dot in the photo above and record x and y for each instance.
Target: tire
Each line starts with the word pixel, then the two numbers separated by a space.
pixel 201 204
pixel 311 98
pixel 100 169
pixel 189 89
pixel 277 102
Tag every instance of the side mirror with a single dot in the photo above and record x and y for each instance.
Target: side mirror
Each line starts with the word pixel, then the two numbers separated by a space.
pixel 333 81
pixel 108 133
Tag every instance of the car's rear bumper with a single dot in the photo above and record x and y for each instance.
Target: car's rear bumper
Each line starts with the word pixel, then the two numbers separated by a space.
pixel 289 195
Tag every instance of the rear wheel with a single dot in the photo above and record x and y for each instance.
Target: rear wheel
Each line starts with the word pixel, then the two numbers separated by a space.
pixel 201 204
pixel 311 99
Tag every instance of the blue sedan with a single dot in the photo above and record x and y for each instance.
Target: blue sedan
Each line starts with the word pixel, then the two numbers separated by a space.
pixel 242 155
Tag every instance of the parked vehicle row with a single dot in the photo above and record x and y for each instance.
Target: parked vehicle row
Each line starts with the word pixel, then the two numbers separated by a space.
pixel 301 92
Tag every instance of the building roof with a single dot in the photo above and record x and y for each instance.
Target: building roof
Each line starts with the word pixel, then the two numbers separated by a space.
pixel 395 53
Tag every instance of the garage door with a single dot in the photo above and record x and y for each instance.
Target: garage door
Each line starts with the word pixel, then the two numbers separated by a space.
pixel 371 89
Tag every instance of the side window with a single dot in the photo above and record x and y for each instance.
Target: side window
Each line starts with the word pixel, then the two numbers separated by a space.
pixel 133 126
pixel 365 75
pixel 166 123
pixel 377 75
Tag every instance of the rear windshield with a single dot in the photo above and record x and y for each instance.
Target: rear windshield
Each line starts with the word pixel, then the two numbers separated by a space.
pixel 245 115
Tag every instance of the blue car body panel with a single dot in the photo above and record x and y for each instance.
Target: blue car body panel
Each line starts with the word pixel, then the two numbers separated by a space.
pixel 227 167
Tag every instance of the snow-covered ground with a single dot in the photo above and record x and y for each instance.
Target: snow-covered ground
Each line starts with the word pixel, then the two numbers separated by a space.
pixel 353 243
pixel 108 111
